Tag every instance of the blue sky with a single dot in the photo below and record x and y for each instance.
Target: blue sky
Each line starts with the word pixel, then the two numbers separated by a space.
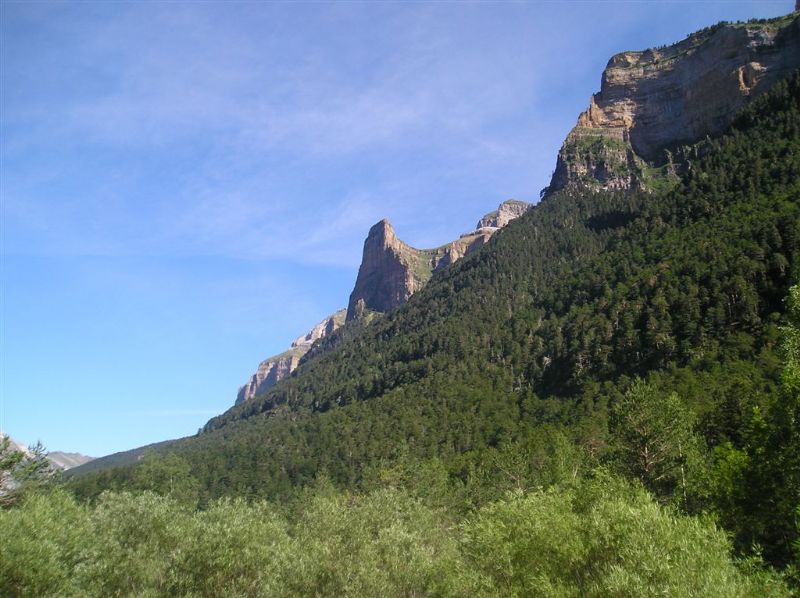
pixel 186 186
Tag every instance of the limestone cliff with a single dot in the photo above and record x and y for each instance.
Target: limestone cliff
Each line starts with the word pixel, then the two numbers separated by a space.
pixel 391 270
pixel 505 213
pixel 274 369
pixel 653 101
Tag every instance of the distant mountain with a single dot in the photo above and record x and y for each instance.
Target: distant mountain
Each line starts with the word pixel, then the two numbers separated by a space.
pixel 58 459
pixel 15 444
pixel 63 460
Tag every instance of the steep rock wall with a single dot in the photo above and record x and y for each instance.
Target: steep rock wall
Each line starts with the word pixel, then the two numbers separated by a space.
pixel 660 98
pixel 274 369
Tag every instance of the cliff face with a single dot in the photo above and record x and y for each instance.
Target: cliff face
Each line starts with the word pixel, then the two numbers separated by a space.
pixel 658 99
pixel 505 213
pixel 274 369
pixel 391 270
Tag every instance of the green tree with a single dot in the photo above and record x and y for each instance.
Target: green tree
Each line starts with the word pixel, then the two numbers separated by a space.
pixel 168 475
pixel 43 538
pixel 22 472
pixel 605 537
pixel 654 438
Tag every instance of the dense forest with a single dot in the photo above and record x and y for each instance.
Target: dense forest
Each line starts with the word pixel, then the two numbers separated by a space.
pixel 605 400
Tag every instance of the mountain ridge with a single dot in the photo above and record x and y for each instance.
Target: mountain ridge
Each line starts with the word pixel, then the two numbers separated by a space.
pixel 654 101
pixel 274 369
pixel 391 270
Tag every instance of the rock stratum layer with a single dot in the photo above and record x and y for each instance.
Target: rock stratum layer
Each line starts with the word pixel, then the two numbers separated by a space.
pixel 274 369
pixel 654 101
pixel 391 270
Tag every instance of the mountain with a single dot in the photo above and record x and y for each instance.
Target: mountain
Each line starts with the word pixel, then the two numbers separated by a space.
pixel 391 271
pixel 653 103
pixel 65 461
pixel 543 331
pixel 15 444
pixel 57 459
pixel 274 369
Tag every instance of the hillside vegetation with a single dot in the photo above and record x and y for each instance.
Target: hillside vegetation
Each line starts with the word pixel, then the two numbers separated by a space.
pixel 638 333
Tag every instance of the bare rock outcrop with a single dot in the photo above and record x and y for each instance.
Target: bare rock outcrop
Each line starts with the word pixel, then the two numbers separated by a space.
pixel 661 98
pixel 505 213
pixel 391 270
pixel 274 369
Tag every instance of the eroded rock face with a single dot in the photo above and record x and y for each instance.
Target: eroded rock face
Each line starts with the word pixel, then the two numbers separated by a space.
pixel 269 373
pixel 274 369
pixel 505 213
pixel 661 98
pixel 321 329
pixel 391 270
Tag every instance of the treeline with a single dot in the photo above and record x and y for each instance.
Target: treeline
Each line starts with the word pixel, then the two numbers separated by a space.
pixel 643 330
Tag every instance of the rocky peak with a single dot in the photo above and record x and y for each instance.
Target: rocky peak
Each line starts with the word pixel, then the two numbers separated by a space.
pixel 62 460
pixel 505 213
pixel 321 329
pixel 391 270
pixel 661 98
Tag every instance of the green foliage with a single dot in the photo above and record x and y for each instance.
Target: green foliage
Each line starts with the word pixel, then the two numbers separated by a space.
pixel 168 475
pixel 21 473
pixel 42 544
pixel 234 549
pixel 592 538
pixel 791 343
pixel 655 440
pixel 142 531
pixel 754 483
pixel 604 538
pixel 382 544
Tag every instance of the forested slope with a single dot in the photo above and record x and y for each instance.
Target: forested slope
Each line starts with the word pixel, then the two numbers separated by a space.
pixel 537 339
